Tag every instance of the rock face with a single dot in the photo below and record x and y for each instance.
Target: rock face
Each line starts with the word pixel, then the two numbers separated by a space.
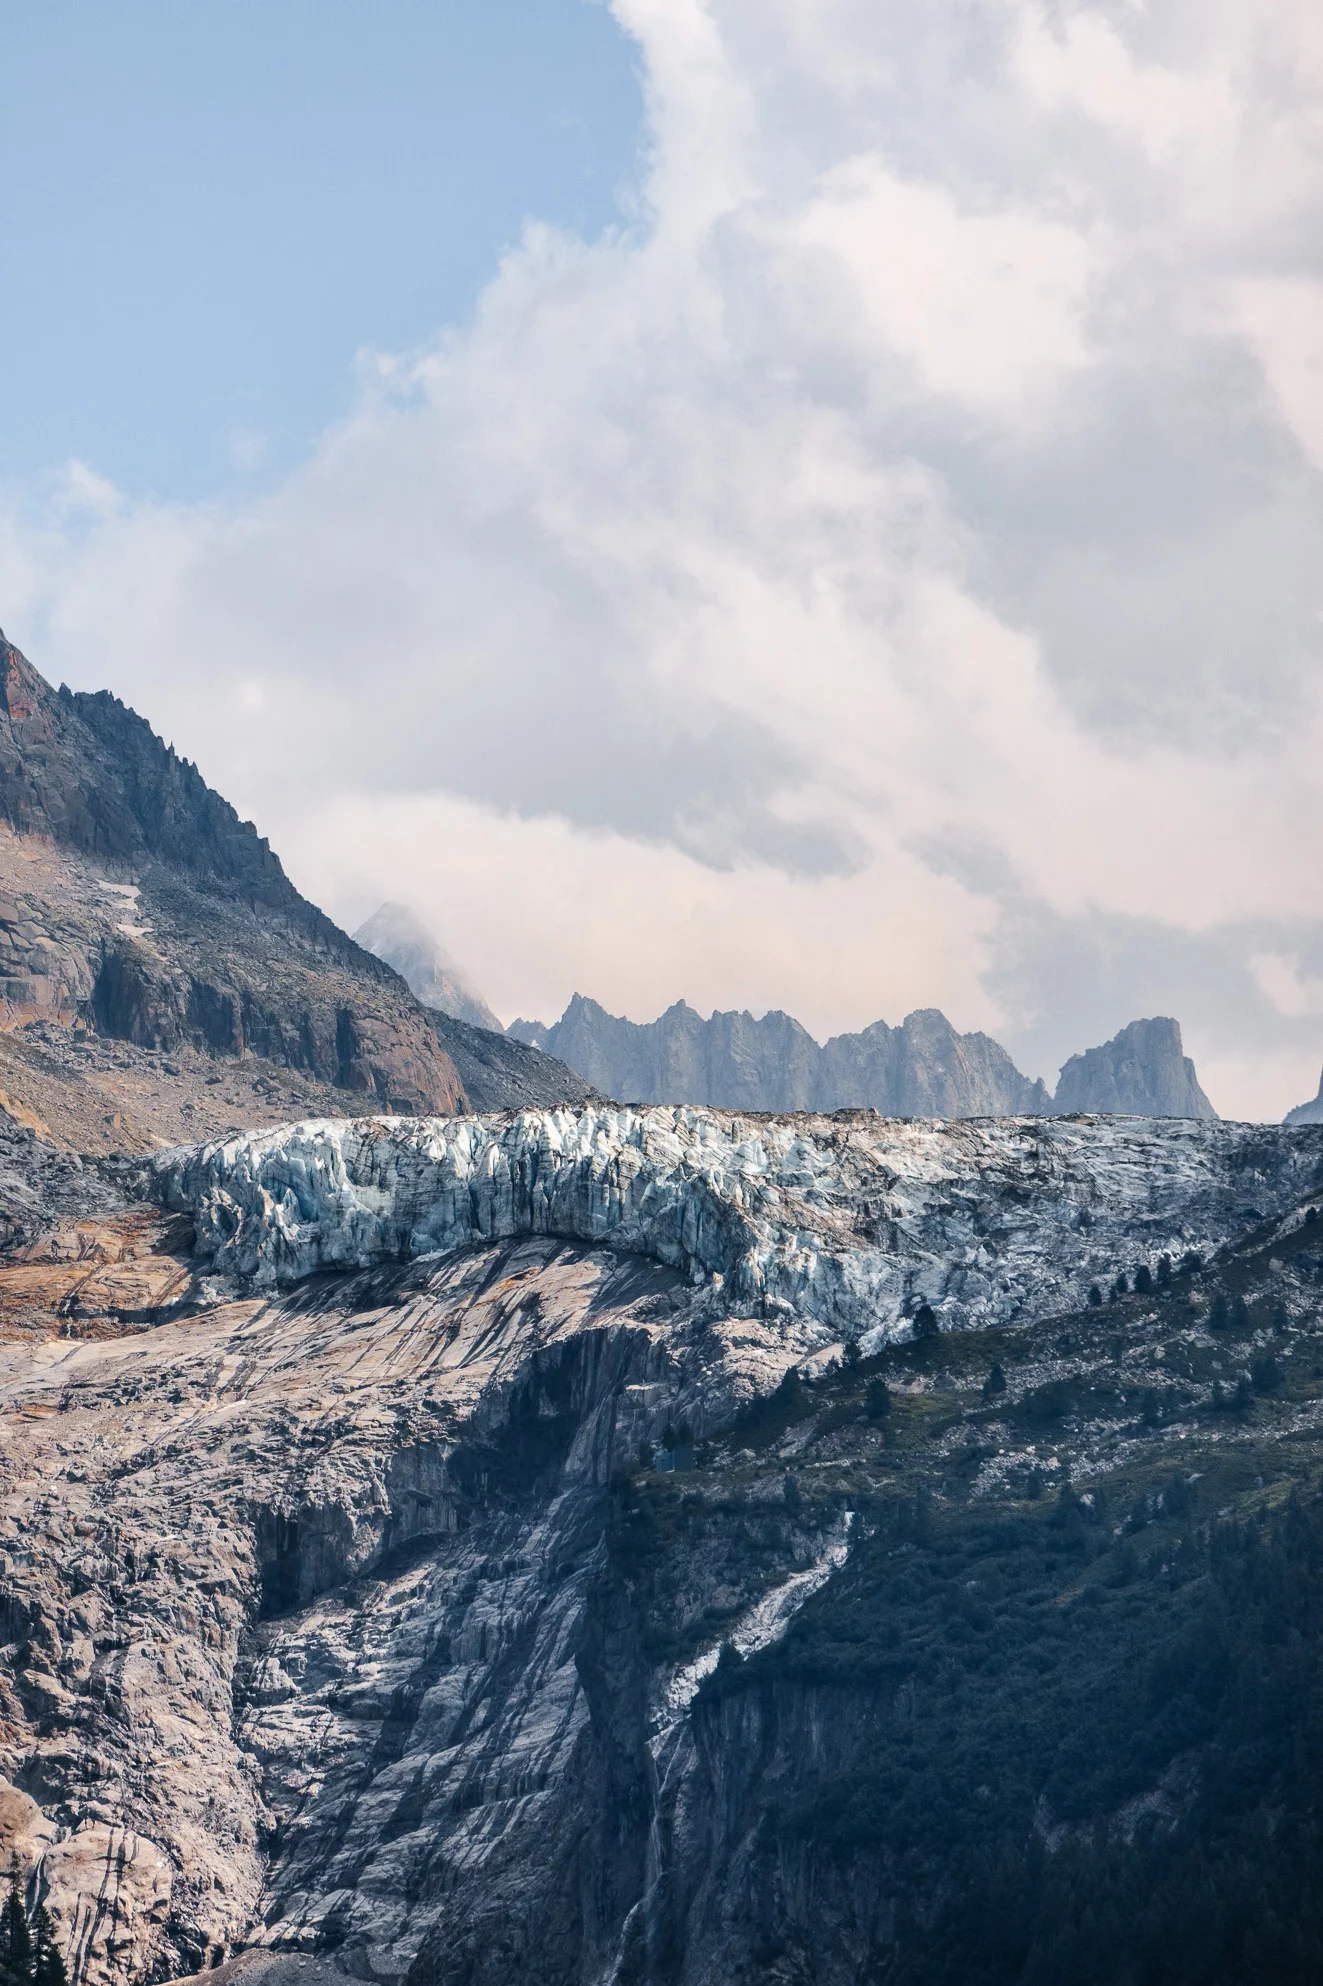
pixel 922 1068
pixel 349 1602
pixel 132 896
pixel 1144 1070
pixel 501 1074
pixel 396 934
pixel 925 1069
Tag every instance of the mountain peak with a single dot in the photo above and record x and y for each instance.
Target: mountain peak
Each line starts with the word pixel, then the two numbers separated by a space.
pixel 1143 1071
pixel 396 933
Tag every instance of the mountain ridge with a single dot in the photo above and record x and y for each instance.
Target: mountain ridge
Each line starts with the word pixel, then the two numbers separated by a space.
pixel 499 1072
pixel 172 924
pixel 161 976
pixel 922 1068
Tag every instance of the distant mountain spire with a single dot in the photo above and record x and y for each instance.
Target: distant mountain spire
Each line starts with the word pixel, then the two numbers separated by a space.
pixel 398 935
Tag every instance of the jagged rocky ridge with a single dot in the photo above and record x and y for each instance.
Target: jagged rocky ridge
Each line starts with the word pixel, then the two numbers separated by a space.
pixel 343 1610
pixel 923 1068
pixel 199 939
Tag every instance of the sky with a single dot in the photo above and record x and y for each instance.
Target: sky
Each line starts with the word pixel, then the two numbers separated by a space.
pixel 782 503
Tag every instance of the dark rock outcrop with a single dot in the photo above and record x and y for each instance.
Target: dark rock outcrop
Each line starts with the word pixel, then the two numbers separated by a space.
pixel 732 1061
pixel 177 926
pixel 1143 1071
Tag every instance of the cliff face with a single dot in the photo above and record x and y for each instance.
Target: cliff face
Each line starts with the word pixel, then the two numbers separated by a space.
pixel 734 1062
pixel 133 897
pixel 925 1069
pixel 376 1500
pixel 1143 1070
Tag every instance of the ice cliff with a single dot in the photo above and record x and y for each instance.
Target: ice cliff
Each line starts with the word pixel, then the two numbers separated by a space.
pixel 852 1221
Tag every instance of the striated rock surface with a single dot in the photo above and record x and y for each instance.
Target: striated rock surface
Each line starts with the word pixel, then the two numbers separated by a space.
pixel 376 1497
pixel 398 935
pixel 921 1069
pixel 1143 1069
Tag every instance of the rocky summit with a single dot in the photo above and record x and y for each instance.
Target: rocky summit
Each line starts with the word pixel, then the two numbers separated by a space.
pixel 1143 1070
pixel 1308 1113
pixel 922 1068
pixel 656 1546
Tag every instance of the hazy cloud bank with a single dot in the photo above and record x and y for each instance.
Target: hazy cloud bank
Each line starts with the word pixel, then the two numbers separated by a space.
pixel 883 572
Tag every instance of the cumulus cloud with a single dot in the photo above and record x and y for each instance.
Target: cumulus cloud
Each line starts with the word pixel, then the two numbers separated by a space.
pixel 877 573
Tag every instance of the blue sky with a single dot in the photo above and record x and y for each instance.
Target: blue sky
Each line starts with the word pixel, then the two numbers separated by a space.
pixel 780 503
pixel 209 206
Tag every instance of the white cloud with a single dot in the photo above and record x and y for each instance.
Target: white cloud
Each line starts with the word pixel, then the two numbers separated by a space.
pixel 1291 991
pixel 1283 319
pixel 82 489
pixel 672 629
pixel 639 926
pixel 986 308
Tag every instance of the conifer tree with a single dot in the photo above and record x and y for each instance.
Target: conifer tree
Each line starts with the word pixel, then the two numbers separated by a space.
pixel 15 1937
pixel 48 1967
